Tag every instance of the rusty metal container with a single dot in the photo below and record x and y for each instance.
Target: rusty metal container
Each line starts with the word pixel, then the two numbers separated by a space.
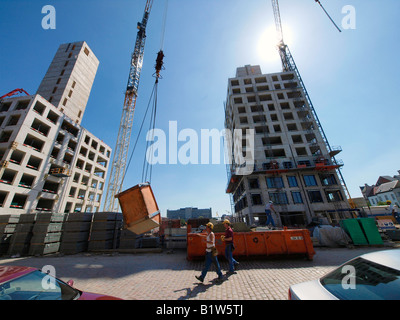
pixel 139 208
pixel 256 243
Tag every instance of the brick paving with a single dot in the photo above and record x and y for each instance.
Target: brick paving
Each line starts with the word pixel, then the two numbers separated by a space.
pixel 164 276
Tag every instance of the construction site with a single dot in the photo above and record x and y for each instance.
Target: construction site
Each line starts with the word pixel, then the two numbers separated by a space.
pixel 53 171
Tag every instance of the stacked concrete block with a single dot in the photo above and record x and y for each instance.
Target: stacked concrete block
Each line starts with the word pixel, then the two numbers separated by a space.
pixel 147 242
pixel 23 232
pixel 76 231
pixel 8 223
pixel 105 231
pixel 47 232
pixel 175 238
pixel 127 239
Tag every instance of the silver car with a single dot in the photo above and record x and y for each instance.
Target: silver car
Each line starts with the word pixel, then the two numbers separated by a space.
pixel 371 276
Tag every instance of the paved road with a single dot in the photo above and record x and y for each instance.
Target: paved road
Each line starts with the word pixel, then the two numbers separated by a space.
pixel 163 276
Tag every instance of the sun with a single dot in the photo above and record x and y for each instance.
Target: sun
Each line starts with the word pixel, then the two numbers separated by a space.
pixel 267 42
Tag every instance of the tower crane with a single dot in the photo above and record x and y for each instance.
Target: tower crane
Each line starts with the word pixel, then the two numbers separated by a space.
pixel 125 128
pixel 288 64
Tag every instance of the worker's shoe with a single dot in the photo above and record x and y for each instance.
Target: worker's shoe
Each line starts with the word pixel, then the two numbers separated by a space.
pixel 230 273
pixel 219 279
pixel 200 278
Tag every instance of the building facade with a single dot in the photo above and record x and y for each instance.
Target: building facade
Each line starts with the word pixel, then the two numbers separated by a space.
pixel 69 79
pixel 386 188
pixel 189 213
pixel 48 162
pixel 292 164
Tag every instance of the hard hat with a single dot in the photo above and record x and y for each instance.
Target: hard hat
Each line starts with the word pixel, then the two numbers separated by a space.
pixel 210 225
pixel 271 202
pixel 388 201
pixel 226 221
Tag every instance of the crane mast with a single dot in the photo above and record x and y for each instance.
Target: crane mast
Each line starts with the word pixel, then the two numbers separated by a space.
pixel 288 64
pixel 125 127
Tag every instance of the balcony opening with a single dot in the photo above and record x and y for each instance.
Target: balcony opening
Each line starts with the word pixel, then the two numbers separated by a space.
pixel 5 106
pixel 39 107
pixel 5 136
pixel 52 117
pixel 34 163
pixel 40 127
pixel 45 205
pixel 33 143
pixel 8 176
pixel 17 157
pixel 54 153
pixel 3 197
pixel 22 105
pixel 19 201
pixel 50 187
pixel 26 181
pixel 13 121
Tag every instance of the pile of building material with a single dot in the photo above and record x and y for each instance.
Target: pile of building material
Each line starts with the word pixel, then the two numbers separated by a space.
pixel 76 231
pixel 175 238
pixel 146 241
pixel 46 233
pixel 329 236
pixel 393 235
pixel 8 223
pixel 21 238
pixel 127 239
pixel 105 231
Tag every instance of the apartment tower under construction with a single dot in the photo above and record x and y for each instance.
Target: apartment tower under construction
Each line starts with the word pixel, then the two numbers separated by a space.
pixel 48 161
pixel 293 167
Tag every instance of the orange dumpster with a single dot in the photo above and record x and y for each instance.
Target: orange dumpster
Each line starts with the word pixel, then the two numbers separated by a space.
pixel 256 243
pixel 139 208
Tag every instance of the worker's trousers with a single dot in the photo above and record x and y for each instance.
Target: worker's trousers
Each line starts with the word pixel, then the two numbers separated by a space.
pixel 229 256
pixel 209 260
pixel 270 220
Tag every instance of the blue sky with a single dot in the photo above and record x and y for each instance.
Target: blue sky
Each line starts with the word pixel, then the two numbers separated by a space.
pixel 352 77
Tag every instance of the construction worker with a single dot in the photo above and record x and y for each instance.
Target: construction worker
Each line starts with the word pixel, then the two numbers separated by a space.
pixel 268 207
pixel 229 247
pixel 210 257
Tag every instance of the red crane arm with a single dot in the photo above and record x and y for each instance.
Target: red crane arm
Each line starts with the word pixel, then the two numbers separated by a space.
pixel 14 92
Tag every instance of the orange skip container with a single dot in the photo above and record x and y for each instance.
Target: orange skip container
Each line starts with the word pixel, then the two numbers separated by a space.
pixel 256 243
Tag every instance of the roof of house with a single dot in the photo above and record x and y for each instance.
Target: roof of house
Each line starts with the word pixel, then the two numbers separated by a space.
pixel 386 187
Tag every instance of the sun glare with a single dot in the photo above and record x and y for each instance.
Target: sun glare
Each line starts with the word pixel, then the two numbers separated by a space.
pixel 266 47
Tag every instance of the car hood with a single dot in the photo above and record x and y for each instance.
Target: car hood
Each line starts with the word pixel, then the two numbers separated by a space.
pixel 96 296
pixel 310 290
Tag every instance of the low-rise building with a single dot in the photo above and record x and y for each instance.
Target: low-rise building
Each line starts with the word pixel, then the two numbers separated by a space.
pixel 189 213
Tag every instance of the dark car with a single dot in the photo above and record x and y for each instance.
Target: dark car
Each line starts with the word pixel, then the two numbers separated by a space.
pixel 26 283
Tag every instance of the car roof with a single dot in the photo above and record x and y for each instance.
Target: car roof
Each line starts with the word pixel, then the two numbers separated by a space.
pixel 11 272
pixel 389 258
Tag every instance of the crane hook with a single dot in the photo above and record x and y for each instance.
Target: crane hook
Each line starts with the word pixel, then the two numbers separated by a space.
pixel 159 64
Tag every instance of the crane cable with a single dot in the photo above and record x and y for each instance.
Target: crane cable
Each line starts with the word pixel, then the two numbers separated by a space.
pixel 317 1
pixel 147 167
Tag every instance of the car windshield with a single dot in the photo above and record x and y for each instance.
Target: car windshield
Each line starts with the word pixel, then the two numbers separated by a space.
pixel 37 286
pixel 361 279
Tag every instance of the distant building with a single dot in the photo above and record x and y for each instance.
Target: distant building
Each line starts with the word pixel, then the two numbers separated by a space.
pixel 386 188
pixel 189 213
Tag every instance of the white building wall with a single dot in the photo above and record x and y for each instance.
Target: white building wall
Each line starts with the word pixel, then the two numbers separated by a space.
pixel 44 139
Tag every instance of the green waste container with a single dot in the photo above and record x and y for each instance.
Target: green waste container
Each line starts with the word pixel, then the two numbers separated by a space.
pixel 353 228
pixel 370 230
